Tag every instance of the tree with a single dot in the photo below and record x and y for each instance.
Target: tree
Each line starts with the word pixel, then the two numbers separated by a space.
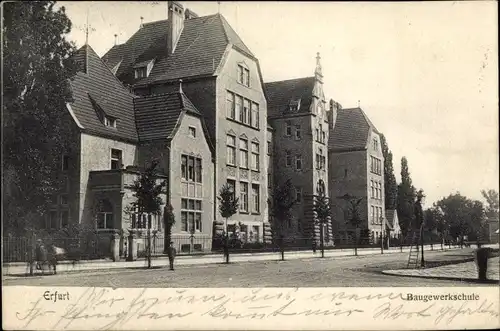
pixel 434 221
pixel 228 206
pixel 390 184
pixel 462 215
pixel 419 221
pixel 280 205
pixel 37 66
pixel 322 210
pixel 492 208
pixel 147 192
pixel 354 217
pixel 406 199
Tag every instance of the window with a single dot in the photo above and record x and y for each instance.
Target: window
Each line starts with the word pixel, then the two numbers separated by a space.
pixel 288 159
pixel 105 215
pixel 375 144
pixel 246 77
pixel 373 189
pixel 63 199
pixel 323 136
pixel 190 168
pixel 317 135
pixel 376 216
pixel 140 72
pixel 372 214
pixel 239 107
pixel 110 122
pixel 298 194
pixel 192 132
pixel 320 160
pixel 241 74
pixel 321 187
pixel 230 105
pixel 116 159
pixel 191 215
pixel 298 162
pixel 288 131
pixel 269 180
pixel 53 221
pixel 255 156
pixel 231 150
pixel 184 167
pixel 245 112
pixel 232 186
pixel 255 198
pixel 321 133
pixel 243 153
pixel 243 196
pixel 65 163
pixel 268 148
pixel 255 115
pixel 64 218
pixel 298 132
pixel 197 170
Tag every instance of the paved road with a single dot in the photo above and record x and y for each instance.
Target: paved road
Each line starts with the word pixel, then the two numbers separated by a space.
pixel 316 272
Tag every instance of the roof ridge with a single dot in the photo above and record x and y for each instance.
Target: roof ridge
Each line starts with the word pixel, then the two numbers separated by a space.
pixel 368 121
pixel 221 20
pixel 290 79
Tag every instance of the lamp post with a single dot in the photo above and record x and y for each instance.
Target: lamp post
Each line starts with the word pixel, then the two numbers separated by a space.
pixel 381 234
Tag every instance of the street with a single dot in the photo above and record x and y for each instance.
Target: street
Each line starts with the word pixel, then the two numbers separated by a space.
pixel 347 271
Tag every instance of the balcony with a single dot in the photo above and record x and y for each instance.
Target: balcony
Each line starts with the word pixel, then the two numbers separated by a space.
pixel 111 180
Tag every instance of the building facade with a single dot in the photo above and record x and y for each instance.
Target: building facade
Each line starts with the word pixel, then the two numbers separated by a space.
pixel 356 170
pixel 222 78
pixel 298 113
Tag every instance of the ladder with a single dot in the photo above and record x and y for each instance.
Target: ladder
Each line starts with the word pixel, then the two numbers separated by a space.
pixel 413 258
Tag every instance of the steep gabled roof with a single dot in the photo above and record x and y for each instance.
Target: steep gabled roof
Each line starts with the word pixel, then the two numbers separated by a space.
pixel 97 92
pixel 351 131
pixel 280 94
pixel 157 116
pixel 199 51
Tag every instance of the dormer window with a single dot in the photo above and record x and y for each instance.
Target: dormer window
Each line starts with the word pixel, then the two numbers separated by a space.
pixel 141 72
pixel 110 122
pixel 143 69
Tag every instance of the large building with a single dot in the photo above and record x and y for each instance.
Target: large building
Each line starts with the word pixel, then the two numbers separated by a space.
pixel 297 110
pixel 190 95
pixel 356 170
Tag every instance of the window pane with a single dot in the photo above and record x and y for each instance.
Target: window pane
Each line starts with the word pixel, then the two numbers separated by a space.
pixel 198 170
pixel 191 221
pixel 198 221
pixel 191 168
pixel 109 221
pixel 184 203
pixel 230 105
pixel 198 205
pixel 191 204
pixel 184 226
pixel 64 218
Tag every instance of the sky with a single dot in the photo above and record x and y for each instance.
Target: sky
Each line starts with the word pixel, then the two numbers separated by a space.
pixel 426 73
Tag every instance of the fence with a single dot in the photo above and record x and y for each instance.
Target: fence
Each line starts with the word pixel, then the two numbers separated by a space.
pixel 19 249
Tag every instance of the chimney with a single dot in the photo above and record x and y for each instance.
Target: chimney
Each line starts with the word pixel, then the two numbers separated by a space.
pixel 175 24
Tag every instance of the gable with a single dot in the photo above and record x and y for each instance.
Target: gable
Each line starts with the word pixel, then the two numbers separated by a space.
pixel 98 93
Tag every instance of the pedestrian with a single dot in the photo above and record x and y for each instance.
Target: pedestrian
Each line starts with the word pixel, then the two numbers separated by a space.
pixel 314 246
pixel 171 255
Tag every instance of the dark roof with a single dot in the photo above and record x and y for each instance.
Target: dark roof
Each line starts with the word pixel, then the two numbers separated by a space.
pixel 199 51
pixel 97 91
pixel 157 116
pixel 281 94
pixel 351 130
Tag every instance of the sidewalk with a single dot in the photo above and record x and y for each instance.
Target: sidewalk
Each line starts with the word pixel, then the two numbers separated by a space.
pixel 463 271
pixel 18 269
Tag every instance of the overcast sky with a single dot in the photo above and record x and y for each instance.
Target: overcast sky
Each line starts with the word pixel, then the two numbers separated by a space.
pixel 425 73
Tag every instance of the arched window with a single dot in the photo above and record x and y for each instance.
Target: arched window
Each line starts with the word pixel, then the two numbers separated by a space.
pixel 105 215
pixel 321 187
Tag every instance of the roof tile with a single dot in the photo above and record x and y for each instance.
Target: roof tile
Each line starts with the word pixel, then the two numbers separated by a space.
pixel 351 131
pixel 281 93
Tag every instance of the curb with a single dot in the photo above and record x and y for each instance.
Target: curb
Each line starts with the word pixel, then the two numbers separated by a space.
pixel 468 280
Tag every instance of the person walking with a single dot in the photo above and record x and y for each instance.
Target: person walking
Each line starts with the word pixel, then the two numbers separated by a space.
pixel 314 246
pixel 171 255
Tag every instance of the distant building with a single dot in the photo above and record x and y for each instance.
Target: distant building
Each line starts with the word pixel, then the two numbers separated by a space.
pixel 392 223
pixel 356 168
pixel 298 112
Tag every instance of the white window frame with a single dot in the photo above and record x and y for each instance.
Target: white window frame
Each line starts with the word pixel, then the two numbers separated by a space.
pixel 192 131
pixel 244 153
pixel 243 196
pixel 231 105
pixel 231 146
pixel 256 199
pixel 298 132
pixel 288 129
pixel 288 159
pixel 119 160
pixel 255 156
